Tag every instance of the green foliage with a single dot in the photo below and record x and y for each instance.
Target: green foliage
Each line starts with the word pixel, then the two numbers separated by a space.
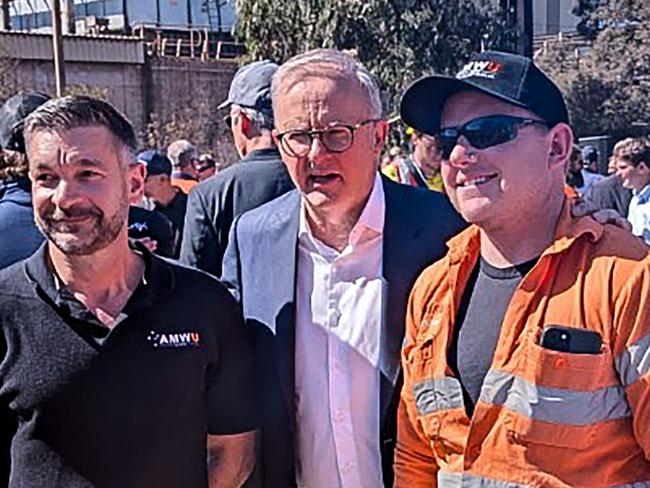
pixel 608 88
pixel 95 91
pixel 398 40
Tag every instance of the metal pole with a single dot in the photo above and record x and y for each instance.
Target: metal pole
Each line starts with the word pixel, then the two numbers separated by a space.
pixel 57 40
pixel 125 14
pixel 219 20
pixel 525 23
pixel 509 9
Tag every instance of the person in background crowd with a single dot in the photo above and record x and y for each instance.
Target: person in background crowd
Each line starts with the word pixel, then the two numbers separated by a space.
pixel 633 168
pixel 590 174
pixel 116 381
pixel 184 157
pixel 152 229
pixel 258 177
pixel 519 370
pixel 590 159
pixel 206 166
pixel 609 192
pixel 19 236
pixel 611 162
pixel 323 274
pixel 574 178
pixel 168 199
pixel 422 167
pixel 390 163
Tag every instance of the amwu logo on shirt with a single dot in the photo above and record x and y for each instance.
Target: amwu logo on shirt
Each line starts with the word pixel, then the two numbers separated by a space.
pixel 175 339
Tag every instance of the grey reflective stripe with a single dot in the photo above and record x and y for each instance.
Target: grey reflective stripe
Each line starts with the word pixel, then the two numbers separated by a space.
pixel 437 394
pixel 465 480
pixel 560 406
pixel 635 361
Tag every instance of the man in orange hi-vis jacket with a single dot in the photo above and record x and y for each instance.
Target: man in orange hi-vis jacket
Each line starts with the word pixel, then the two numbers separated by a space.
pixel 526 358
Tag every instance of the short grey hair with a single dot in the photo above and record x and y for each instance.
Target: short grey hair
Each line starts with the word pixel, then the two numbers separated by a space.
pixel 65 113
pixel 182 152
pixel 263 119
pixel 332 64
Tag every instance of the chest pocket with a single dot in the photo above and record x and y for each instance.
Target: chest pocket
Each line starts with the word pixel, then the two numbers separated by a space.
pixel 419 353
pixel 438 397
pixel 584 394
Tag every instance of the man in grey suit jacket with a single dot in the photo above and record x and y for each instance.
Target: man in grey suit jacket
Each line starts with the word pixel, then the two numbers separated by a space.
pixel 323 275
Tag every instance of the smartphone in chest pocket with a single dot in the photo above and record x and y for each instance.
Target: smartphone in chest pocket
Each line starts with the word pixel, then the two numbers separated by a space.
pixel 571 339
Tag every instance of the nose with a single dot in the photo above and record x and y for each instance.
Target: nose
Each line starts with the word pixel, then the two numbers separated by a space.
pixel 66 194
pixel 463 153
pixel 317 149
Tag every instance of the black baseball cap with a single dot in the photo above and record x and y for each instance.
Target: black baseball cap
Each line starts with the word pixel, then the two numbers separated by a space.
pixel 157 162
pixel 509 77
pixel 12 117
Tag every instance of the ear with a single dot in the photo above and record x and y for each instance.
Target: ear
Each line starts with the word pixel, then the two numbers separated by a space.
pixel 245 124
pixel 643 167
pixel 379 135
pixel 561 144
pixel 274 136
pixel 135 181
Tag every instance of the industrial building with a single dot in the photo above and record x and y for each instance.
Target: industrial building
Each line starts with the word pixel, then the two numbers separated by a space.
pixel 549 16
pixel 115 15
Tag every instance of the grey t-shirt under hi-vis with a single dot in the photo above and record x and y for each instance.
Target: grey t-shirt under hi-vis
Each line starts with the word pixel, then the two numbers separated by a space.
pixel 478 324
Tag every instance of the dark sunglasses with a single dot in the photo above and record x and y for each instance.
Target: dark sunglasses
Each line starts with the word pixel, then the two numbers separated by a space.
pixel 228 120
pixel 483 132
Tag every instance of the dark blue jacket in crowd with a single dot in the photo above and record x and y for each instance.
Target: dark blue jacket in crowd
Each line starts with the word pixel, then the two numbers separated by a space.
pixel 19 237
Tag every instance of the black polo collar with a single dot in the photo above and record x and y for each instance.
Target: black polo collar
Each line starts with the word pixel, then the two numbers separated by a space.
pixel 158 281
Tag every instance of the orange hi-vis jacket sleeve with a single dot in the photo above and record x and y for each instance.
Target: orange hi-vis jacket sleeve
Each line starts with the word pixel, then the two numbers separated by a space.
pixel 544 418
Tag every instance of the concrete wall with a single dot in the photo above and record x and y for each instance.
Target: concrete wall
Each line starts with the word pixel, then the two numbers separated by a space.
pixel 192 90
pixel 110 66
pixel 181 95
pixel 121 83
pixel 185 82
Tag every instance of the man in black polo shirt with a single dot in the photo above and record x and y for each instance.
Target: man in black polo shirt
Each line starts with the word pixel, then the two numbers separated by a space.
pixel 113 379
